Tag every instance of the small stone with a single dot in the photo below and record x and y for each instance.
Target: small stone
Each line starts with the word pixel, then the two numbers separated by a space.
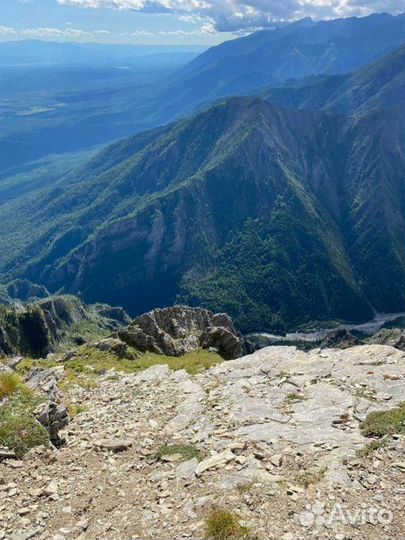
pixel 383 396
pixel 6 454
pixel 186 470
pixel 83 524
pixel 114 445
pixel 51 489
pixel 276 460
pixel 14 464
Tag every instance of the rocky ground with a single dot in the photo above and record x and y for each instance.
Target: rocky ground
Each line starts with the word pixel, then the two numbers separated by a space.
pixel 275 437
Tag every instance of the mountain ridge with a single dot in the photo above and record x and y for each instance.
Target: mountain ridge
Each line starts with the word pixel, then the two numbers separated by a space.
pixel 220 173
pixel 376 86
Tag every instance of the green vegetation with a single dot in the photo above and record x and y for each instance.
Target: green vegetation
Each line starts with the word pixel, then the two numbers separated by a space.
pixel 245 487
pixel 221 524
pixel 311 477
pixel 89 361
pixel 372 446
pixel 10 383
pixel 380 423
pixel 19 429
pixel 187 451
pixel 307 264
pixel 74 409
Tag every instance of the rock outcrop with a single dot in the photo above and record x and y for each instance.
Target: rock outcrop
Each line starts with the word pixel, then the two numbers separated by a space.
pixel 339 339
pixel 180 329
pixel 394 337
pixel 51 413
pixel 39 328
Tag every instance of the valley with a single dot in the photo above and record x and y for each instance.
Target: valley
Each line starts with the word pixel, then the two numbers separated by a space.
pixel 202 268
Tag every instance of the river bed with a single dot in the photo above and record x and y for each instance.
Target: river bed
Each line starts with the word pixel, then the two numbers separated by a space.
pixel 264 339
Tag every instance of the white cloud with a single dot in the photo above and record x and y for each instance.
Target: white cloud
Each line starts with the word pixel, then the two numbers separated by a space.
pixel 50 33
pixel 231 15
pixel 7 30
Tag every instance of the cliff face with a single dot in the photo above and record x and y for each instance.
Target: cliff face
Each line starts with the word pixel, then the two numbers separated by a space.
pixel 39 328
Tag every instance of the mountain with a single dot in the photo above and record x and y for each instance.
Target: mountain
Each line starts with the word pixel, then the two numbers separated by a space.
pixel 88 100
pixel 272 215
pixel 379 85
pixel 293 51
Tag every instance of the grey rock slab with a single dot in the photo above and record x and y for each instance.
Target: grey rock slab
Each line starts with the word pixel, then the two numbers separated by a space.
pixel 186 470
pixel 154 373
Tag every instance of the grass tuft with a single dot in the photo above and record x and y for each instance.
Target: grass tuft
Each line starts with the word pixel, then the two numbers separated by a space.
pixel 223 524
pixel 19 429
pixel 372 446
pixel 245 487
pixel 10 383
pixel 311 477
pixel 380 423
pixel 187 451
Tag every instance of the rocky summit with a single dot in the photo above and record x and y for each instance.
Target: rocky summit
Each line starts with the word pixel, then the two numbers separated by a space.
pixel 295 443
pixel 177 330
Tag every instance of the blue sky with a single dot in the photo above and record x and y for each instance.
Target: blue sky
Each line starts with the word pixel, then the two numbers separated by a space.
pixel 174 22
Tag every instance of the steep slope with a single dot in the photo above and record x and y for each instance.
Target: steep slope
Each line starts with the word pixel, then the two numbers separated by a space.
pixel 380 85
pixel 265 213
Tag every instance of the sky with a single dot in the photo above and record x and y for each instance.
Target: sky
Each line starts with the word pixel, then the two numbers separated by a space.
pixel 166 22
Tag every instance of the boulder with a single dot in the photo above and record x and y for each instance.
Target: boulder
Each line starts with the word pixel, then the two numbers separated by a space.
pixel 228 345
pixel 115 346
pixel 393 337
pixel 180 329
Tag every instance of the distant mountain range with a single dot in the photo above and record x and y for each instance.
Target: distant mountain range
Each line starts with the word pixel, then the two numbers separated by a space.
pixel 44 53
pixel 293 51
pixel 72 118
